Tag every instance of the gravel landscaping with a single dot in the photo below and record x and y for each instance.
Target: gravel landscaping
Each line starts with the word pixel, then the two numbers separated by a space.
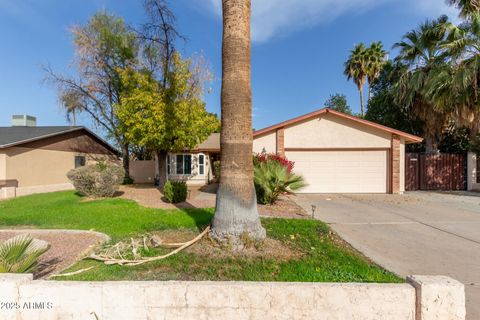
pixel 66 247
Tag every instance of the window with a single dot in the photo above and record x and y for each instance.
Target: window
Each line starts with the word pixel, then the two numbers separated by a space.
pixel 168 164
pixel 201 164
pixel 184 164
pixel 79 161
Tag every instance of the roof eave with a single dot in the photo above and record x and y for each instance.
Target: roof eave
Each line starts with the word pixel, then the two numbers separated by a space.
pixel 409 138
pixel 106 144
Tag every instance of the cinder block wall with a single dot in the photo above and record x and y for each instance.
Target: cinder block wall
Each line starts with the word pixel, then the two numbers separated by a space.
pixel 423 298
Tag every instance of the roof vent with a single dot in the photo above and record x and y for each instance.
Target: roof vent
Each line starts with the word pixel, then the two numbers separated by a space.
pixel 23 121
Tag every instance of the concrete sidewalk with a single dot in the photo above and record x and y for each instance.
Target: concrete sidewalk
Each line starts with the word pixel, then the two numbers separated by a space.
pixel 416 233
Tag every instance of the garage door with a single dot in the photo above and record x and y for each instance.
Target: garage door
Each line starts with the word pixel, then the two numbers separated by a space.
pixel 342 171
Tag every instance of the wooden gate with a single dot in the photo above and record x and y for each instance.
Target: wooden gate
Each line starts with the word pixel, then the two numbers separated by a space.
pixel 443 171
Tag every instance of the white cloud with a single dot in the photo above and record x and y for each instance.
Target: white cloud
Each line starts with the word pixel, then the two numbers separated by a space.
pixel 271 18
pixel 435 8
pixel 274 18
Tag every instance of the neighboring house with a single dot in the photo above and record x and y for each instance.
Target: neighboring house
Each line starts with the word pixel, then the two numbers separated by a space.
pixel 340 153
pixel 335 152
pixel 195 167
pixel 36 159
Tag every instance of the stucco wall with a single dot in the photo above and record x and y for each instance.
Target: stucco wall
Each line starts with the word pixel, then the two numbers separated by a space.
pixel 472 172
pixel 330 131
pixel 41 167
pixel 267 142
pixel 402 165
pixel 429 297
pixel 3 166
pixel 142 171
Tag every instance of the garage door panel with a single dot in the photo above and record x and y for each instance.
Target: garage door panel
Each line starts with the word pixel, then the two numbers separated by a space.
pixel 342 171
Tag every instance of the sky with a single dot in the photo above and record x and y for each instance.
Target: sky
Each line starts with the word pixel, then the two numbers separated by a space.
pixel 298 48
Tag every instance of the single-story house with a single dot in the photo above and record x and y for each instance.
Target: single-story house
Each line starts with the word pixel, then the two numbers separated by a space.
pixel 36 159
pixel 335 152
pixel 195 167
pixel 340 153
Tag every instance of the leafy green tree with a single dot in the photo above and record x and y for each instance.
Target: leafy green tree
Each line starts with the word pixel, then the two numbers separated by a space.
pixel 355 68
pixel 102 47
pixel 164 120
pixel 339 103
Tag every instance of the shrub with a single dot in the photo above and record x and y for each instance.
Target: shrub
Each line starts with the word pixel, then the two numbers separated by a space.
pixel 273 179
pixel 216 169
pixel 127 181
pixel 175 191
pixel 101 180
pixel 266 157
pixel 19 254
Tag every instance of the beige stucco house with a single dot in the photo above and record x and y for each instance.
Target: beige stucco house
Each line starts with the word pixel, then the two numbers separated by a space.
pixel 335 152
pixel 340 153
pixel 36 159
pixel 195 167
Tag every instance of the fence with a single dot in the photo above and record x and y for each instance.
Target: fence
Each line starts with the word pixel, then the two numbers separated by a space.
pixel 424 171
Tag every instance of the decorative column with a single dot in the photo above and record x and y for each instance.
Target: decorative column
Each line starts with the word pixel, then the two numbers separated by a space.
pixel 395 164
pixel 280 141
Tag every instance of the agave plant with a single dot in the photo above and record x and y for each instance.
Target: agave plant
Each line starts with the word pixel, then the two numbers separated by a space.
pixel 20 254
pixel 272 179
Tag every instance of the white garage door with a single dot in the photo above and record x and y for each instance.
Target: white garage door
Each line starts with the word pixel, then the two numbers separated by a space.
pixel 342 171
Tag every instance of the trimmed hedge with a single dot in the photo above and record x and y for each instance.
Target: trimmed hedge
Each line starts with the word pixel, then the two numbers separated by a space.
pixel 175 191
pixel 100 180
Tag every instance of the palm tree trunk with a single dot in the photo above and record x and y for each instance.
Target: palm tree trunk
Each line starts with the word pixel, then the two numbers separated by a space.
pixel 362 103
pixel 369 92
pixel 431 144
pixel 236 212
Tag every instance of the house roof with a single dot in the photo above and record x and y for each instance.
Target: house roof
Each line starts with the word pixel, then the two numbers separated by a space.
pixel 211 144
pixel 409 138
pixel 14 136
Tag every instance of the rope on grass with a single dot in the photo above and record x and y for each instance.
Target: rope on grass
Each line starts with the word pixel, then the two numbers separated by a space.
pixel 126 262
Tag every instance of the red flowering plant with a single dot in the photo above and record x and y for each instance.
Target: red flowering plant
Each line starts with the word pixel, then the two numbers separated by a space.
pixel 265 157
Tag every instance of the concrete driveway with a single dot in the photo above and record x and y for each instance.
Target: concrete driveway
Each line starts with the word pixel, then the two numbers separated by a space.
pixel 416 233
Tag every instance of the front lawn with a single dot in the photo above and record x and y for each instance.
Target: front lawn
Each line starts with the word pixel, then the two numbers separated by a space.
pixel 320 255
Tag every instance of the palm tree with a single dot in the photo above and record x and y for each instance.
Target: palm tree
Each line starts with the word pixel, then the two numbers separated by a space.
pixel 466 7
pixel 454 85
pixel 20 254
pixel 376 58
pixel 356 69
pixel 422 54
pixel 236 212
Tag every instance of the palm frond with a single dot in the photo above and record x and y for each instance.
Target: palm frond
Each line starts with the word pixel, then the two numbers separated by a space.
pixel 20 253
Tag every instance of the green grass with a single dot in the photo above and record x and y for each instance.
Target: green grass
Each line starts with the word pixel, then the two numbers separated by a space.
pixel 322 259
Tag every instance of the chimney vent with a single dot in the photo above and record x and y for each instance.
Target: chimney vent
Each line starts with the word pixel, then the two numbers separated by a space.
pixel 23 121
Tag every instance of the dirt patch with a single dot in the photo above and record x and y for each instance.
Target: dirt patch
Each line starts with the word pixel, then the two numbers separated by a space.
pixel 66 247
pixel 285 207
pixel 151 197
pixel 204 197
pixel 207 247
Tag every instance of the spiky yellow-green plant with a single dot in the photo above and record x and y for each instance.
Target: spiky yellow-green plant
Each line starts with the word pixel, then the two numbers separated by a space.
pixel 20 254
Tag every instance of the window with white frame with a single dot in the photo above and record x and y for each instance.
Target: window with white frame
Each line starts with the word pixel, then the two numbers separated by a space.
pixel 168 165
pixel 201 164
pixel 184 164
